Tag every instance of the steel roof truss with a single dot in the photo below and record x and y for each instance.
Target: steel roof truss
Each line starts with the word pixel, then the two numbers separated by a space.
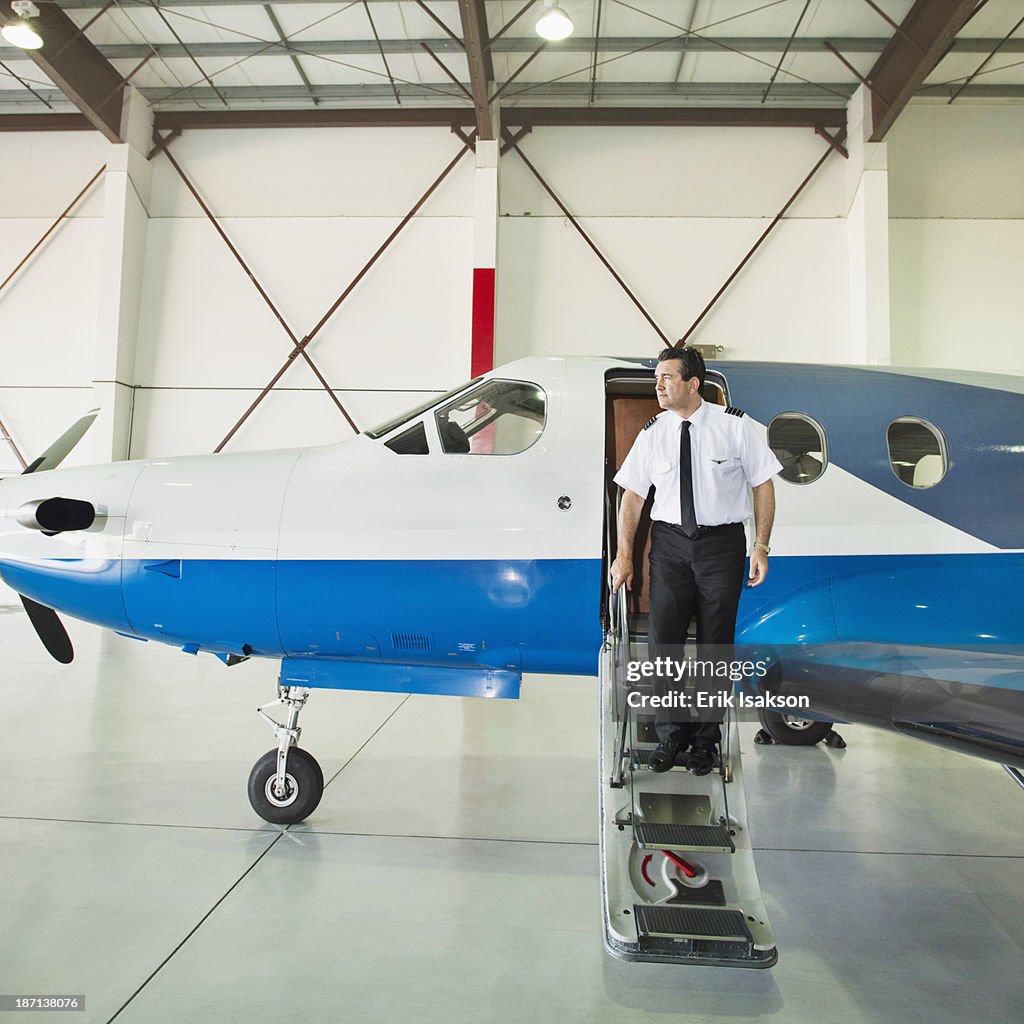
pixel 481 69
pixel 903 67
pixel 72 63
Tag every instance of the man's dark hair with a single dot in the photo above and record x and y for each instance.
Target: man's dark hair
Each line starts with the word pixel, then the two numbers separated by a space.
pixel 691 360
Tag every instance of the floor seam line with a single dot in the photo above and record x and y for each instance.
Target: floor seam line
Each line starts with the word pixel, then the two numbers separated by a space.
pixel 170 956
pixel 454 839
pixel 368 739
pixel 134 824
pixel 890 853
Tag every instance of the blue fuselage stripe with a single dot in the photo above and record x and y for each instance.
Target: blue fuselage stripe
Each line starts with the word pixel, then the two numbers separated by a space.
pixel 515 615
pixel 537 615
pixel 982 492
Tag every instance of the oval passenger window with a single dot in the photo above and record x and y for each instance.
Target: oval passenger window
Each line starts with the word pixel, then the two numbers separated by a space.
pixel 917 451
pixel 798 442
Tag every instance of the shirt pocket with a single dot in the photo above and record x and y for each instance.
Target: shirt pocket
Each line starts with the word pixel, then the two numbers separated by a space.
pixel 662 474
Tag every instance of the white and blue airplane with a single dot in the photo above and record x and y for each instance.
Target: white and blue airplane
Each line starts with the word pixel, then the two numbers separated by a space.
pixel 466 542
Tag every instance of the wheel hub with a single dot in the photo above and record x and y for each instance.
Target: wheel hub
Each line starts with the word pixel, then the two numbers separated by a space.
pixel 291 791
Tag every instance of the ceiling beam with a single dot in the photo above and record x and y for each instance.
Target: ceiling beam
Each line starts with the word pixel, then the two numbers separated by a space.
pixel 44 123
pixel 682 117
pixel 923 38
pixel 481 69
pixel 737 94
pixel 770 117
pixel 725 45
pixel 515 44
pixel 76 67
pixel 384 117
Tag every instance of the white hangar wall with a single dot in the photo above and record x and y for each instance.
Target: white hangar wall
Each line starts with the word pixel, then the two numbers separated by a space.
pixel 134 302
pixel 49 310
pixel 306 209
pixel 957 236
pixel 674 210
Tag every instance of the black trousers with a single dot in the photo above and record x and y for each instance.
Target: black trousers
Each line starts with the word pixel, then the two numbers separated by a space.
pixel 702 576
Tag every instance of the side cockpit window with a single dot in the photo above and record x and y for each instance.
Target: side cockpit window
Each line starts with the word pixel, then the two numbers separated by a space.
pixel 501 417
pixel 410 442
pixel 798 442
pixel 917 451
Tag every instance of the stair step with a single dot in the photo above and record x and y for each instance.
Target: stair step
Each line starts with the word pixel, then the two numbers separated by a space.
pixel 663 922
pixel 653 835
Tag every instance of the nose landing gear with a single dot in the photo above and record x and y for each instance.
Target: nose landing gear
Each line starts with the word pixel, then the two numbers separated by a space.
pixel 286 784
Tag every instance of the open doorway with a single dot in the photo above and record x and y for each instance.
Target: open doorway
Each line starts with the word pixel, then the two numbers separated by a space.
pixel 629 403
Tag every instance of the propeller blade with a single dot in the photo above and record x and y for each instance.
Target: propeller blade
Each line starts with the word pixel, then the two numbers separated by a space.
pixel 50 629
pixel 58 451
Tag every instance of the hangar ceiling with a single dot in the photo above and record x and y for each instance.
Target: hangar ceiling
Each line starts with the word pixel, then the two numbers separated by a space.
pixel 440 61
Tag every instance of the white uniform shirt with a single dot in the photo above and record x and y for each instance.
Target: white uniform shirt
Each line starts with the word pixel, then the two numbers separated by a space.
pixel 728 455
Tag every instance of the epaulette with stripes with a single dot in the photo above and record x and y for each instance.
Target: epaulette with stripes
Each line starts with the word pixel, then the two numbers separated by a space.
pixel 733 411
pixel 650 422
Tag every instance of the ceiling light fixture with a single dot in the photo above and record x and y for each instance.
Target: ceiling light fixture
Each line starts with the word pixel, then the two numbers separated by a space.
pixel 554 23
pixel 20 33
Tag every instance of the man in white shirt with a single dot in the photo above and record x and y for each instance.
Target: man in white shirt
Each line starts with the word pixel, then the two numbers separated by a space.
pixel 704 462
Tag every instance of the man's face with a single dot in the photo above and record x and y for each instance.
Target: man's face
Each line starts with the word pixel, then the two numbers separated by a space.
pixel 673 392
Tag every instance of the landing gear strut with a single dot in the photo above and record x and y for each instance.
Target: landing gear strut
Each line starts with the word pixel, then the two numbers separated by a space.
pixel 286 784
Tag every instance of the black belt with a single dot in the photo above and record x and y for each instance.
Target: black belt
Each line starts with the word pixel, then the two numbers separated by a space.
pixel 702 531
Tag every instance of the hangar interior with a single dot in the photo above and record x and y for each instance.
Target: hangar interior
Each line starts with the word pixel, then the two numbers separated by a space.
pixel 189 189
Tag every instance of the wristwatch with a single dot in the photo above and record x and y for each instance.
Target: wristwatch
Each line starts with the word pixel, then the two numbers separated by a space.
pixel 763 547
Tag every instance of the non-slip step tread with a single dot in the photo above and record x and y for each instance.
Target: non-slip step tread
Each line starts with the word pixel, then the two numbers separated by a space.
pixel 662 836
pixel 692 923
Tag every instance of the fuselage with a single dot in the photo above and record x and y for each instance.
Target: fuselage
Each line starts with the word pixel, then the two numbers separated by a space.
pixel 407 546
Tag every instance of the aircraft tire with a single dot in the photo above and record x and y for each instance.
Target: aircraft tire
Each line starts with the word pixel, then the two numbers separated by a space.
pixel 305 780
pixel 791 730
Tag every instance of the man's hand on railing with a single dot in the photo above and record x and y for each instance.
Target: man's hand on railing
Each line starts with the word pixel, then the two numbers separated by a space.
pixel 622 572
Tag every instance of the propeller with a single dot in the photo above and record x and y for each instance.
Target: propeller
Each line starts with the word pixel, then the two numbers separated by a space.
pixel 45 620
pixel 50 630
pixel 58 451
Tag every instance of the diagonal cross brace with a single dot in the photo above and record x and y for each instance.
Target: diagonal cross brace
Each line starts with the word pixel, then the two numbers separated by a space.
pixel 300 346
pixel 53 227
pixel 835 146
pixel 512 142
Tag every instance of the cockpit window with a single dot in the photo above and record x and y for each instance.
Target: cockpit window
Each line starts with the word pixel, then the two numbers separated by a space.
pixel 500 417
pixel 410 442
pixel 917 451
pixel 799 444
pixel 410 414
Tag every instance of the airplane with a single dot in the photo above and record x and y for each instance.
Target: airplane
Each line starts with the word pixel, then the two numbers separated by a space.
pixel 465 542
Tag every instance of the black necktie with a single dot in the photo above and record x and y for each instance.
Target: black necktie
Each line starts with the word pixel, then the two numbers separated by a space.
pixel 687 517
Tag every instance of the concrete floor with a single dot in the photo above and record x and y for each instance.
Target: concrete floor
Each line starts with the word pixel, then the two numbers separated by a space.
pixel 451 872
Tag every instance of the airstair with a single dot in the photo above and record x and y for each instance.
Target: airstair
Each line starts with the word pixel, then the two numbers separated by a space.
pixel 677 867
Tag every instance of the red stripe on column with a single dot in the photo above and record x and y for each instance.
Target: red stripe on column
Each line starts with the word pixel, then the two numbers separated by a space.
pixel 482 352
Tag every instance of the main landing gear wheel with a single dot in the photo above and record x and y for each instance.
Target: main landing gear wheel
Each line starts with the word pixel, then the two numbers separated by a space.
pixel 303 787
pixel 793 730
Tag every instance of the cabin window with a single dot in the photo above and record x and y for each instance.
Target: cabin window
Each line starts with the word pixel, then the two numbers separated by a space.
pixel 501 417
pixel 410 442
pixel 799 444
pixel 917 451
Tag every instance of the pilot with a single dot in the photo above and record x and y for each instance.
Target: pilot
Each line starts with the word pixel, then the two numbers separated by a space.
pixel 701 459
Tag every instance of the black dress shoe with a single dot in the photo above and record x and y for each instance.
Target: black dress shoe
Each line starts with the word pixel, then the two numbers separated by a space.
pixel 663 757
pixel 701 760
